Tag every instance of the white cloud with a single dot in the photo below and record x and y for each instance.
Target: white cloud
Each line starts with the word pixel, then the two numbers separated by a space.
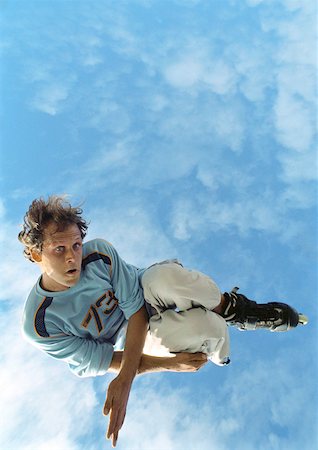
pixel 115 158
pixel 158 102
pixel 118 156
pixel 295 123
pixel 219 76
pixel 298 80
pixel 22 193
pixel 229 125
pixel 135 234
pixel 43 403
pixel 199 69
pixel 196 216
pixel 295 107
pixel 92 60
pixel 232 414
pixel 50 98
pixel 299 168
pixel 111 116
pixel 161 417
pixel 254 68
pixel 184 73
pixel 254 2
pixel 12 264
pixel 182 122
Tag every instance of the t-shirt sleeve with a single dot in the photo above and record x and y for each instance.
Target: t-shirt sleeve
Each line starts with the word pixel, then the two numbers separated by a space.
pixel 125 283
pixel 85 357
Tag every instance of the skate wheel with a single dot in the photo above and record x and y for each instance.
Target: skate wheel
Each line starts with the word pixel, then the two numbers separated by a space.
pixel 303 320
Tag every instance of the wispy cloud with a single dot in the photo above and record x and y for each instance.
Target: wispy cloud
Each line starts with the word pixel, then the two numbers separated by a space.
pixel 195 69
pixel 12 263
pixel 137 236
pixel 233 414
pixel 50 98
pixel 165 418
pixel 295 104
pixel 42 405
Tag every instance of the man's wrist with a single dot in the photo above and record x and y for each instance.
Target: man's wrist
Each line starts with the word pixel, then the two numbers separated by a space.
pixel 128 373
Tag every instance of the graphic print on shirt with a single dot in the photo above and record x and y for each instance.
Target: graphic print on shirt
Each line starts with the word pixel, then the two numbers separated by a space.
pixel 109 302
pixel 95 256
pixel 39 319
pixel 39 323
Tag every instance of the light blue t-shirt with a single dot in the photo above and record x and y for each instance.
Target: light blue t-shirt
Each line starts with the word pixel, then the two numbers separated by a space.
pixel 82 324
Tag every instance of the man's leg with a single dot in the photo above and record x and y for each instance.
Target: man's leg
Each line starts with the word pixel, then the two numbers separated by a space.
pixel 171 286
pixel 183 319
pixel 195 330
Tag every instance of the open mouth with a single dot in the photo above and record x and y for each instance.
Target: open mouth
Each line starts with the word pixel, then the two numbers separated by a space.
pixel 71 271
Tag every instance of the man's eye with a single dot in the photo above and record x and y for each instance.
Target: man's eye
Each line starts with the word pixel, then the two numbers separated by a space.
pixel 77 246
pixel 59 249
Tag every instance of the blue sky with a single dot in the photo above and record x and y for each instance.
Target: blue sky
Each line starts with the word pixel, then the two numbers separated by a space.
pixel 188 129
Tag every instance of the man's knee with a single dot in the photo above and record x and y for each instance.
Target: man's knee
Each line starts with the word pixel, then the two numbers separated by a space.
pixel 160 278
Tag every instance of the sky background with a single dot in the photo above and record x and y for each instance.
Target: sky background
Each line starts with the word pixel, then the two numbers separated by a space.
pixel 188 129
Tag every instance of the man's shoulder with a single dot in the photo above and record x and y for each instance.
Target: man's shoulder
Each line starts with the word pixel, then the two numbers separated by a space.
pixel 31 308
pixel 96 245
pixel 33 298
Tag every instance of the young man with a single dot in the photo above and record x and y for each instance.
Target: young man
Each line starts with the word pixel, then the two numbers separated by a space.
pixel 88 302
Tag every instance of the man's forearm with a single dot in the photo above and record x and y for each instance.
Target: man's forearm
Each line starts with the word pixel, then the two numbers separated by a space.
pixel 147 363
pixel 119 389
pixel 135 340
pixel 131 361
pixel 182 362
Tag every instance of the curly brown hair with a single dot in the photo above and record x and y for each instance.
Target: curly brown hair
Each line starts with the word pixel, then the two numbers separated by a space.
pixel 41 212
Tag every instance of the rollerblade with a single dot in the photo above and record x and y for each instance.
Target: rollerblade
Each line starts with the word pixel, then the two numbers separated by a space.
pixel 246 314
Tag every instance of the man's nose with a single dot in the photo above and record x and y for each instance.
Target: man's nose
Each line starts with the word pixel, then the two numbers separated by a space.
pixel 70 255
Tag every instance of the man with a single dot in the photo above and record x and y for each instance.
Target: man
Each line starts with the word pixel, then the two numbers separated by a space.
pixel 88 302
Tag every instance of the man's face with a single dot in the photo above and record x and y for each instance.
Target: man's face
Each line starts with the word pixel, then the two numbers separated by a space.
pixel 61 257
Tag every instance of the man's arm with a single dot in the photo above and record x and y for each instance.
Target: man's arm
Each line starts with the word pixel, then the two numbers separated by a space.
pixel 119 388
pixel 180 362
pixel 131 362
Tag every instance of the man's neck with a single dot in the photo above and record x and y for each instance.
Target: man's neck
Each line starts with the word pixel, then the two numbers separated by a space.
pixel 50 285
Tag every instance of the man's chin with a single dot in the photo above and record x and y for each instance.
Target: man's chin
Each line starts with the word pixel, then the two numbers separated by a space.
pixel 70 282
pixel 73 274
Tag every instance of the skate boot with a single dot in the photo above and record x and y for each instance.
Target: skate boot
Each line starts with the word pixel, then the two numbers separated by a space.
pixel 246 314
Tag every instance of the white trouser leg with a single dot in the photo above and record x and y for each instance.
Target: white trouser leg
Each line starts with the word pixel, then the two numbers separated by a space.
pixel 183 300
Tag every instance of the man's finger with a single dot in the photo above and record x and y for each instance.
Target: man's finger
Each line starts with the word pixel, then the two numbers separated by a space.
pixel 120 420
pixel 200 357
pixel 106 409
pixel 112 422
pixel 115 426
pixel 114 439
pixel 107 404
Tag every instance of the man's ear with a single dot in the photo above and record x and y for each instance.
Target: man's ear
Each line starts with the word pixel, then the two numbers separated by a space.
pixel 36 256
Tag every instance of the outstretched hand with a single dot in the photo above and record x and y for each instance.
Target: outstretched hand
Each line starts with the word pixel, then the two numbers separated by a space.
pixel 116 404
pixel 187 362
pixel 119 389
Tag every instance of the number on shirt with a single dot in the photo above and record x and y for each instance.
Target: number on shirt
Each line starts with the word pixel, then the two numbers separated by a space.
pixel 109 301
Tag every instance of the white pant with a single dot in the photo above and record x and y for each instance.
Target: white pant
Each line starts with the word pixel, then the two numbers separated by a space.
pixel 183 319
